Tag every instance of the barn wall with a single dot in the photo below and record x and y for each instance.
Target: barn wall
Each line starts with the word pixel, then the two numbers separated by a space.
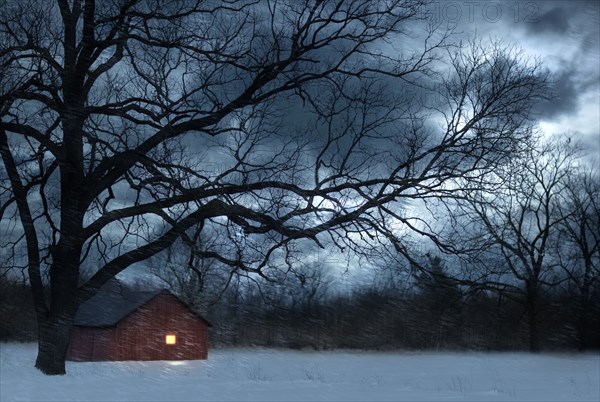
pixel 81 344
pixel 141 335
pixel 92 344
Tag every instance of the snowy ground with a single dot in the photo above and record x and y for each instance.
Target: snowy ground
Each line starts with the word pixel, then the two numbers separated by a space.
pixel 263 375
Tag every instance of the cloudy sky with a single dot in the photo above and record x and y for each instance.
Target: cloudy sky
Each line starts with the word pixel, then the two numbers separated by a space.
pixel 564 34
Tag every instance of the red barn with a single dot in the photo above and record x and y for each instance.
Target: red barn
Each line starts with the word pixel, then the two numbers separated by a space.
pixel 118 324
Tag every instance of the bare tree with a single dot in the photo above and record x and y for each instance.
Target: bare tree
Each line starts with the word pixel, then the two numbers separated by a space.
pixel 126 124
pixel 511 221
pixel 578 243
pixel 197 281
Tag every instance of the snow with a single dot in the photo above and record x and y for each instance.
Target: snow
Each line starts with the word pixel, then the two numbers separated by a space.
pixel 269 375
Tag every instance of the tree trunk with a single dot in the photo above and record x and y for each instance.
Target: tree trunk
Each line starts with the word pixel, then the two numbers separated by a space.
pixel 53 342
pixel 584 307
pixel 534 340
pixel 54 331
pixel 582 320
pixel 532 316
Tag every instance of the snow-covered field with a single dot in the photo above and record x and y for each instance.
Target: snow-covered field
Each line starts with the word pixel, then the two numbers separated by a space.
pixel 263 375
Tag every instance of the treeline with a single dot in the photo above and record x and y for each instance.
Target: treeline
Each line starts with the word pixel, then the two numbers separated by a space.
pixel 434 314
pixel 425 318
pixel 17 316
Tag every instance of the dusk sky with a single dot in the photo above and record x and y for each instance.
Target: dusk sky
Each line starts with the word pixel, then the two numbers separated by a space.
pixel 565 35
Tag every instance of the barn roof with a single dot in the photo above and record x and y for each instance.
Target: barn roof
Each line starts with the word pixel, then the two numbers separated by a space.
pixel 108 307
pixel 114 301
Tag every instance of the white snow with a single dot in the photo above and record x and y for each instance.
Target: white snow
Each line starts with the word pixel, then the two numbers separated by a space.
pixel 268 375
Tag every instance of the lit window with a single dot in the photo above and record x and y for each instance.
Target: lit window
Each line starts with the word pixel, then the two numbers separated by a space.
pixel 170 339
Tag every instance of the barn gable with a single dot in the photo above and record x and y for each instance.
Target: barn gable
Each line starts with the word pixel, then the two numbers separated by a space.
pixel 118 324
pixel 107 308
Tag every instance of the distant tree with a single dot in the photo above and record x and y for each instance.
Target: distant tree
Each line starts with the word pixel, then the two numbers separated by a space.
pixel 17 318
pixel 439 301
pixel 510 220
pixel 124 124
pixel 578 243
pixel 437 286
pixel 197 281
pixel 313 282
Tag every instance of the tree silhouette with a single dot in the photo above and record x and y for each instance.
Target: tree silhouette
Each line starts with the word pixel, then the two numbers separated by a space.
pixel 127 124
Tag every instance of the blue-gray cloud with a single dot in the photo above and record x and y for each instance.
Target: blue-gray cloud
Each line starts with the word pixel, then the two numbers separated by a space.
pixel 553 21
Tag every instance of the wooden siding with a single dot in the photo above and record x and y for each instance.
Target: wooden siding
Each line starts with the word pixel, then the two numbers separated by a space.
pixel 141 335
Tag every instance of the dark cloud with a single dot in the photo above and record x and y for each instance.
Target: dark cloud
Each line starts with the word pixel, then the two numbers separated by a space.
pixel 558 17
pixel 565 25
pixel 553 21
pixel 563 94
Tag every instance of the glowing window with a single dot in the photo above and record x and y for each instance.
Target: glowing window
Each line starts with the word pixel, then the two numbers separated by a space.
pixel 170 339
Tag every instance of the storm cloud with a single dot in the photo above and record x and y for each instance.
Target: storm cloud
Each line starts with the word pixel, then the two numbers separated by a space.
pixel 556 21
